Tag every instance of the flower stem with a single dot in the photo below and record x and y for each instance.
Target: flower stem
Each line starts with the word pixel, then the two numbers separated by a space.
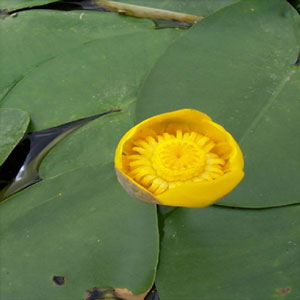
pixel 147 12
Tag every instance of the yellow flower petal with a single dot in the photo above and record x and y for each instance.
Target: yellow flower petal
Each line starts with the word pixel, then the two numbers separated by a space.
pixel 201 194
pixel 181 158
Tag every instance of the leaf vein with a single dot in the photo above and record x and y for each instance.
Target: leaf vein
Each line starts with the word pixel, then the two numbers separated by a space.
pixel 268 105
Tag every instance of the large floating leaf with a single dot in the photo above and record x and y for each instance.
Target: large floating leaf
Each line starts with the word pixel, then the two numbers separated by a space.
pixel 196 7
pixel 85 72
pixel 37 145
pixel 93 69
pixel 18 4
pixel 13 124
pixel 94 143
pixel 82 226
pixel 237 65
pixel 221 253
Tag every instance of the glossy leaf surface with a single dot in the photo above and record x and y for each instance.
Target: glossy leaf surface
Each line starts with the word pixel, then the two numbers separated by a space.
pixel 22 168
pixel 237 66
pixel 99 138
pixel 222 253
pixel 82 226
pixel 13 125
pixel 69 69
pixel 11 5
pixel 195 7
pixel 76 63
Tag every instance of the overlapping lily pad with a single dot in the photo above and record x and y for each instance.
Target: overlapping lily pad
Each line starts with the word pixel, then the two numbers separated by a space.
pixel 65 76
pixel 11 5
pixel 195 7
pixel 81 226
pixel 221 253
pixel 13 125
pixel 94 143
pixel 237 65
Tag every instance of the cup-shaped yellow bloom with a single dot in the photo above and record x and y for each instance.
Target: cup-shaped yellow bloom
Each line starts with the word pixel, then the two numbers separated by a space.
pixel 180 158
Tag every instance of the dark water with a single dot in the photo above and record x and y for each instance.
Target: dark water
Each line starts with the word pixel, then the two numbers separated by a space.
pixel 21 169
pixel 90 5
pixel 69 5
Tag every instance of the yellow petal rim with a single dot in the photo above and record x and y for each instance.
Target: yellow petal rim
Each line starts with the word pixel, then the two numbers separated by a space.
pixel 206 146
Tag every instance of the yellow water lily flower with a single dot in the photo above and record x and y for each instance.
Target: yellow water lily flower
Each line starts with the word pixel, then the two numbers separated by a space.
pixel 180 158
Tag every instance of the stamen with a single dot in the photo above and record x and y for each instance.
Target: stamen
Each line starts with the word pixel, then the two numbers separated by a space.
pixel 186 136
pixel 169 160
pixel 203 141
pixel 147 180
pixel 216 161
pixel 179 134
pixel 151 140
pixel 208 146
pixel 139 150
pixel 140 162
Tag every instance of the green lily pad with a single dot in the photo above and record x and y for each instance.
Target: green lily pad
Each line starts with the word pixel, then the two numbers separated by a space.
pixel 80 226
pixel 222 253
pixel 195 7
pixel 85 74
pixel 77 230
pixel 237 66
pixel 11 5
pixel 39 144
pixel 95 143
pixel 13 125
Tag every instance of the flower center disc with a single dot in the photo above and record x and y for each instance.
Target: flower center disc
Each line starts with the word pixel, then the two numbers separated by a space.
pixel 178 160
pixel 168 160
